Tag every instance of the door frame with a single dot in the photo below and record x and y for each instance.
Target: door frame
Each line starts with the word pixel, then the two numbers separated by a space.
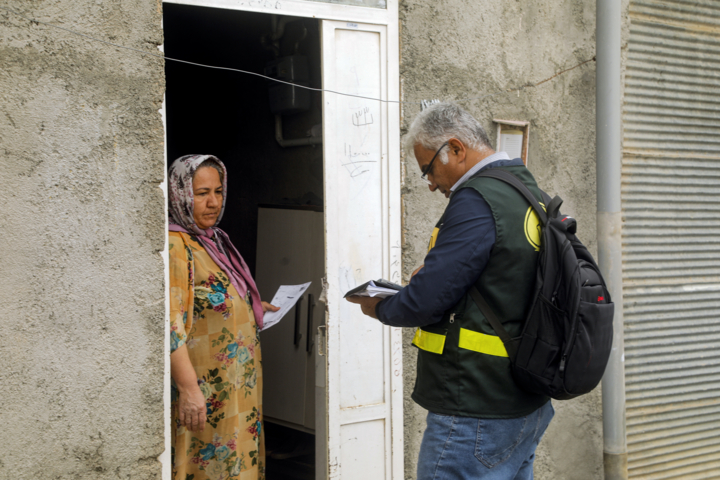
pixel 310 9
pixel 391 181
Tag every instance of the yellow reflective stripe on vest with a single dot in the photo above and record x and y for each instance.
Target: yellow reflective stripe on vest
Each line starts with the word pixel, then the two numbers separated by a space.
pixel 479 342
pixel 433 238
pixel 430 342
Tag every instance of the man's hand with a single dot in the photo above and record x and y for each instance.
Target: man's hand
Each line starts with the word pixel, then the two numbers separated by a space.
pixel 366 303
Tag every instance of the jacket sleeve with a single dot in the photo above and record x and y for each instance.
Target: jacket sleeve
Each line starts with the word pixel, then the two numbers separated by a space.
pixel 461 252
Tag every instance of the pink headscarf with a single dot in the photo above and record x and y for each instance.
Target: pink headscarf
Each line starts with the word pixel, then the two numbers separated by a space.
pixel 221 250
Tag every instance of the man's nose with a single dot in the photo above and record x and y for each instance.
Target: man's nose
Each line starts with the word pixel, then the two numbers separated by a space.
pixel 433 186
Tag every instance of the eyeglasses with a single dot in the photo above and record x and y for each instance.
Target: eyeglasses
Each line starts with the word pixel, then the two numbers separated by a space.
pixel 429 167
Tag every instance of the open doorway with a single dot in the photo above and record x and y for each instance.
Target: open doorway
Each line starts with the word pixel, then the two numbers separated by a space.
pixel 274 208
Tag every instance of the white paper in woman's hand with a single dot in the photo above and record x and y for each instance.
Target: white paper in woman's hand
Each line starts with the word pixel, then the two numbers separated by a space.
pixel 285 298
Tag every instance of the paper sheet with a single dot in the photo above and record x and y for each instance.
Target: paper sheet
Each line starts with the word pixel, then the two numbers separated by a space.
pixel 373 290
pixel 285 298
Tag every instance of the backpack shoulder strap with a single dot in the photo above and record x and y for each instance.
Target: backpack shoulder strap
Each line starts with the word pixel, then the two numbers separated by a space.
pixel 515 182
pixel 510 346
pixel 480 301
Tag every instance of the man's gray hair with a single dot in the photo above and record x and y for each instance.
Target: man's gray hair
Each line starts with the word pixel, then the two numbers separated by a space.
pixel 439 123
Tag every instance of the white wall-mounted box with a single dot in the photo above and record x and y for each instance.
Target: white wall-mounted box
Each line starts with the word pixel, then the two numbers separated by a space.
pixel 513 137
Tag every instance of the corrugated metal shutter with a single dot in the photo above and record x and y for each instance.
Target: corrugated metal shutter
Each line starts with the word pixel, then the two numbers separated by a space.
pixel 671 239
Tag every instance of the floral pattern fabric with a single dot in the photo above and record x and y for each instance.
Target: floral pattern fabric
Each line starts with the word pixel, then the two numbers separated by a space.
pixel 218 327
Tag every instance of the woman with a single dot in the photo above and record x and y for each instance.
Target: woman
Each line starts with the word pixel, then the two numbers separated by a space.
pixel 215 315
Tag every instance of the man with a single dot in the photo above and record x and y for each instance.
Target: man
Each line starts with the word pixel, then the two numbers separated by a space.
pixel 480 424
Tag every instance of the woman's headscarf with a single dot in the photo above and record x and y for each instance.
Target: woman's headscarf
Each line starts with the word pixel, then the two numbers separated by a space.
pixel 216 242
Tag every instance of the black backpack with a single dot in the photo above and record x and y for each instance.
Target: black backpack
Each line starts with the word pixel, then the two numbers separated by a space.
pixel 567 336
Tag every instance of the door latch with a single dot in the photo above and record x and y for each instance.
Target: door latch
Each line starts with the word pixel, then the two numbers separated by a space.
pixel 322 340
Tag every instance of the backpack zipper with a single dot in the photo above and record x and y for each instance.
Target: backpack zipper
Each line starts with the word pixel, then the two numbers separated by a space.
pixel 567 247
pixel 452 318
pixel 571 343
pixel 573 329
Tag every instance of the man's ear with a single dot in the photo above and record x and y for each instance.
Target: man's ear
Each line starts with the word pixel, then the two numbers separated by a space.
pixel 458 149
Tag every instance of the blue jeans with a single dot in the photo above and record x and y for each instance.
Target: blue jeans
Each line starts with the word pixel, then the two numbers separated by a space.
pixel 464 448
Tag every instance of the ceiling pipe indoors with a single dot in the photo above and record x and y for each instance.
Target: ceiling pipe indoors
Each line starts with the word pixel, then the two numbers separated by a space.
pixel 296 142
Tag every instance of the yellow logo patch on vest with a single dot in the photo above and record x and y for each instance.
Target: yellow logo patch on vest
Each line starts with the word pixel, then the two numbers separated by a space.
pixel 533 229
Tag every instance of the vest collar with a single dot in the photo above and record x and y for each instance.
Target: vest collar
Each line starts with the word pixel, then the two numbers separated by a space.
pixel 479 166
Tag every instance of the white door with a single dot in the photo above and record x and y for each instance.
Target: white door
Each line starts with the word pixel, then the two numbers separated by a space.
pixel 362 205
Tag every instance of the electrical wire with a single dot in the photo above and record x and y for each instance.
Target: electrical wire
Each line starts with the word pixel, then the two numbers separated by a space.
pixel 215 67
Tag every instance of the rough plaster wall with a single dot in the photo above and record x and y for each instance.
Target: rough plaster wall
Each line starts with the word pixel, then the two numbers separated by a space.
pixel 454 49
pixel 81 159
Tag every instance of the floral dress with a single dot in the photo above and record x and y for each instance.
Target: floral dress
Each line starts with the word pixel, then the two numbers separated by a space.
pixel 218 327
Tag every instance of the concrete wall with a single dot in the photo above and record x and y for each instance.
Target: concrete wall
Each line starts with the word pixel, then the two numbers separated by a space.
pixel 82 222
pixel 456 49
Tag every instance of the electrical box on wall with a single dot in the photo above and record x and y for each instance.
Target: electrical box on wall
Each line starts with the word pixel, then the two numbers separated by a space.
pixel 513 137
pixel 288 99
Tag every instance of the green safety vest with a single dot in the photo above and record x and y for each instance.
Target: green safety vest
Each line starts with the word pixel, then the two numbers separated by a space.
pixel 463 368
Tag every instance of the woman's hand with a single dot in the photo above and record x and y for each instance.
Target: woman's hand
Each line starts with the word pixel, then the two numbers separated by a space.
pixel 191 409
pixel 269 308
